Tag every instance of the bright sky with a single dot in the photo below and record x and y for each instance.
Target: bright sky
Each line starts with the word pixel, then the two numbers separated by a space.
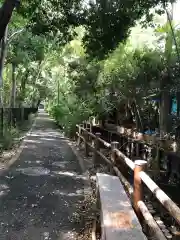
pixel 177 11
pixel 141 36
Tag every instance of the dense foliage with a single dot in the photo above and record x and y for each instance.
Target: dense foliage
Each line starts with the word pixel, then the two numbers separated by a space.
pixel 127 75
pixel 77 56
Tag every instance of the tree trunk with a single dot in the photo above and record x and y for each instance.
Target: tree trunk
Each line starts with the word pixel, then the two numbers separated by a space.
pixel 137 114
pixel 178 103
pixel 13 92
pixel 170 103
pixel 5 15
pixel 22 96
pixel 23 90
pixel 58 93
pixel 2 59
pixel 3 56
pixel 164 113
pixel 13 96
pixel 22 93
pixel 165 80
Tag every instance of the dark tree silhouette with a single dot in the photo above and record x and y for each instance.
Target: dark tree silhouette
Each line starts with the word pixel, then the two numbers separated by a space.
pixel 6 13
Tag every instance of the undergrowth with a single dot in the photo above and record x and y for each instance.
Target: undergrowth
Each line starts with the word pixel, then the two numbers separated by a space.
pixel 12 135
pixel 68 116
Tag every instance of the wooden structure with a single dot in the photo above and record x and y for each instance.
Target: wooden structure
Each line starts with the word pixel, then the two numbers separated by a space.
pixel 118 220
pixel 120 163
pixel 161 154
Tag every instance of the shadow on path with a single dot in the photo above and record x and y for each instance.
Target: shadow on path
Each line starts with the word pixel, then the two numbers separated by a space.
pixel 40 193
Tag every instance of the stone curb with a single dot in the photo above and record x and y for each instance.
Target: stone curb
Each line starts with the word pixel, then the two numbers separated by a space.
pixel 87 185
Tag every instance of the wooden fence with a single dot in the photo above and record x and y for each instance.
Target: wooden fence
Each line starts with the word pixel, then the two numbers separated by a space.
pixel 119 163
pixel 162 154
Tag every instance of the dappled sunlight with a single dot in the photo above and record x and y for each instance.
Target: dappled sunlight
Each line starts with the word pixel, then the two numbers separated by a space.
pixel 125 204
pixel 34 171
pixel 47 139
pixel 2 167
pixel 61 164
pixel 32 146
pixel 31 141
pixel 70 174
pixel 44 190
pixel 39 233
pixel 106 188
pixel 82 177
pixel 77 193
pixel 65 140
pixel 46 134
pixel 110 200
pixel 4 190
pixel 32 162
pixel 44 118
pixel 69 235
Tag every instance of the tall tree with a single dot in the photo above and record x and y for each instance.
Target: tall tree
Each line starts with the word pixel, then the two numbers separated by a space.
pixel 6 14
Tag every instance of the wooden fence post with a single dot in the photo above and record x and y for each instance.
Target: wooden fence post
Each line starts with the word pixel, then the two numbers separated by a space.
pixel 114 145
pixel 143 152
pixel 124 145
pixel 96 148
pixel 132 148
pixel 128 148
pixel 80 133
pixel 85 144
pixel 137 149
pixel 91 123
pixel 140 165
pixel 120 142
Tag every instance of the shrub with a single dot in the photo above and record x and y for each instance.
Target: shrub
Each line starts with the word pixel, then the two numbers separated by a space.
pixel 7 140
pixel 68 115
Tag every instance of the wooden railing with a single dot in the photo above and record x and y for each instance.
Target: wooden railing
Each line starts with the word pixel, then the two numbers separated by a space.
pixel 93 142
pixel 162 155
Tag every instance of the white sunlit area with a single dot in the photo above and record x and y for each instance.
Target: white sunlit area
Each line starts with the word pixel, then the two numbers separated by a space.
pixel 148 36
pixel 89 120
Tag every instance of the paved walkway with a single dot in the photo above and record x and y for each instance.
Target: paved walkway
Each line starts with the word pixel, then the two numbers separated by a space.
pixel 40 193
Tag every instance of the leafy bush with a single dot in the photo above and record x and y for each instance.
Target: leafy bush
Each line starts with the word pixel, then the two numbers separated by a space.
pixel 7 140
pixel 127 75
pixel 68 115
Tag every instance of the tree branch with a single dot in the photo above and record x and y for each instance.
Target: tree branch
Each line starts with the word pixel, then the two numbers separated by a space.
pixel 15 33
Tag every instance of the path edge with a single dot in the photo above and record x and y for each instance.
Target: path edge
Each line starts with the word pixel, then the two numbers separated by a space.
pixel 20 147
pixel 87 182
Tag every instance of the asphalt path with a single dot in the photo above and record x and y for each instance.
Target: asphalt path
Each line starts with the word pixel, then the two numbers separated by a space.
pixel 41 191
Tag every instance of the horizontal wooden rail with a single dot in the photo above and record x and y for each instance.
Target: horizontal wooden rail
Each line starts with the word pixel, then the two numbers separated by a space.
pixel 89 133
pixel 136 137
pixel 128 162
pixel 156 231
pixel 79 135
pixel 104 157
pixel 172 208
pixel 124 181
pixel 106 144
pixel 90 146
